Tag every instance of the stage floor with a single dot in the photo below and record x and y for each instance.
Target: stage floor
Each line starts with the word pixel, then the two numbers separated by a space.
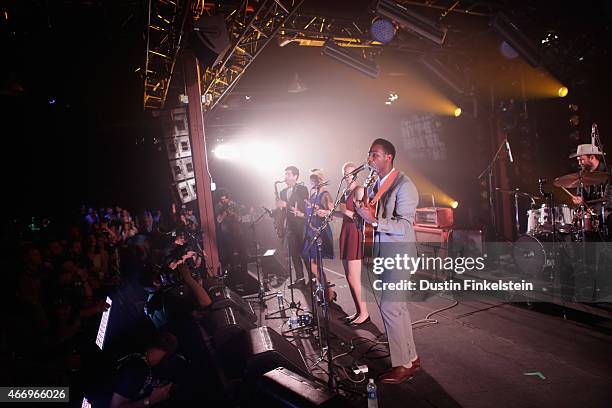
pixel 479 354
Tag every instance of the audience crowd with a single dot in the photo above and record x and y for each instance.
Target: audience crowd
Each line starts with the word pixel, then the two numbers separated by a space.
pixel 56 282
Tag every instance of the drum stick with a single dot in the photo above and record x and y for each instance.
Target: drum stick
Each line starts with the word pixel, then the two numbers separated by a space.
pixel 564 189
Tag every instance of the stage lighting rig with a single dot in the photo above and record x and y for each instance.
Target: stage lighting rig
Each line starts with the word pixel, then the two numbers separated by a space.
pixel 365 66
pixel 251 27
pixel 514 37
pixel 412 21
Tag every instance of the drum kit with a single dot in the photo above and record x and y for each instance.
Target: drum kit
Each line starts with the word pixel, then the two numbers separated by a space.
pixel 550 223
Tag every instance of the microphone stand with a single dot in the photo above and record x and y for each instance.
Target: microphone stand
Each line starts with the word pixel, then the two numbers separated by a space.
pixel 489 172
pixel 322 286
pixel 297 306
pixel 262 295
pixel 596 140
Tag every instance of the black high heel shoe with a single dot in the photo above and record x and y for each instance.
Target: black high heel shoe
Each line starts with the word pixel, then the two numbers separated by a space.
pixel 353 324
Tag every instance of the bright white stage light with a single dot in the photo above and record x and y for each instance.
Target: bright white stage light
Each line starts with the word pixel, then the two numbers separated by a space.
pixel 263 156
pixel 227 151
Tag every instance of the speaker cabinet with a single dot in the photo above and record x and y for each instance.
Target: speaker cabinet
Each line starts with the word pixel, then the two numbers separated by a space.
pixel 228 329
pixel 432 241
pixel 223 297
pixel 283 388
pixel 268 350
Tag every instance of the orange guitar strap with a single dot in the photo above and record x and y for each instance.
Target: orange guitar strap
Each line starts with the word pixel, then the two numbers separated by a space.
pixel 383 189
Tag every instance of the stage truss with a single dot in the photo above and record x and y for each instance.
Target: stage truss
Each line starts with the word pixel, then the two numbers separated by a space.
pixel 252 24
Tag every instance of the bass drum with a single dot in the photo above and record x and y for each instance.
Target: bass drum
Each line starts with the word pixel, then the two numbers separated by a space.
pixel 532 254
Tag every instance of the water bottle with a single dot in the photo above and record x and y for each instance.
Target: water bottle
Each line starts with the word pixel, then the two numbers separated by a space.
pixel 281 300
pixel 372 394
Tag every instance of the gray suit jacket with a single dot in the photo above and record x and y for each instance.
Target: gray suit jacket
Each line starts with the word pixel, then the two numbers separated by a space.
pixel 396 217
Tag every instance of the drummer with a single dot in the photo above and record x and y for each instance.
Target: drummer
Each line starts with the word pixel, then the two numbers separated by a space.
pixel 590 160
pixel 588 157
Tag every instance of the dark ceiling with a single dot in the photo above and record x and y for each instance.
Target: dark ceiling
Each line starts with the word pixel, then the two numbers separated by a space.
pixel 69 79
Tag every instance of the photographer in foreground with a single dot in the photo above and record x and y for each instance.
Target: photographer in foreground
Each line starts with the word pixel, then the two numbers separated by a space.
pixel 139 381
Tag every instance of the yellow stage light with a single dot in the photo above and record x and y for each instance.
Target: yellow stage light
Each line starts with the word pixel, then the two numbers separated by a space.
pixel 454 204
pixel 563 91
pixel 457 112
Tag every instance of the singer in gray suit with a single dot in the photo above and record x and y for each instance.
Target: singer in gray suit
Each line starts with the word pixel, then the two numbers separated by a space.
pixel 394 234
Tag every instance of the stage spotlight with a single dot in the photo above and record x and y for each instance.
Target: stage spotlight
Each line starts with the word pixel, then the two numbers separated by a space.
pixel 563 91
pixel 365 66
pixel 412 21
pixel 226 151
pixel 457 112
pixel 454 204
pixel 518 41
pixel 382 30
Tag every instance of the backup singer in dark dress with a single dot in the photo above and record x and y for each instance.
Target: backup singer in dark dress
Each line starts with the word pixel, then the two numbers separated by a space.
pixel 351 247
pixel 319 206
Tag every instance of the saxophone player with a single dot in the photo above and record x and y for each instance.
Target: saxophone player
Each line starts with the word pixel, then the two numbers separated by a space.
pixel 292 202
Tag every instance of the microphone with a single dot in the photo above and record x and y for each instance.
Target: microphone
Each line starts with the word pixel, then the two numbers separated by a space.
pixel 358 169
pixel 509 151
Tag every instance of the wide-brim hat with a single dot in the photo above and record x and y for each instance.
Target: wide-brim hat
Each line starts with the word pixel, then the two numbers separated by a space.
pixel 586 149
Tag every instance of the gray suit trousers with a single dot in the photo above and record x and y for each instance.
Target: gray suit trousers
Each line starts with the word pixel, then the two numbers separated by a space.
pixel 398 324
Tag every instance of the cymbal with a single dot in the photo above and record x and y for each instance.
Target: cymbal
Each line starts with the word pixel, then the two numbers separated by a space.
pixel 573 180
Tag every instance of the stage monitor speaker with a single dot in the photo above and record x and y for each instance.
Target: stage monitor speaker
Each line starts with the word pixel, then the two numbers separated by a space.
pixel 222 297
pixel 209 40
pixel 228 328
pixel 271 265
pixel 269 350
pixel 283 388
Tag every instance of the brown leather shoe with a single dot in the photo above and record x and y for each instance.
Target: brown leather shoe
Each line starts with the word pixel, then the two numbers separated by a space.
pixel 397 375
pixel 416 363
